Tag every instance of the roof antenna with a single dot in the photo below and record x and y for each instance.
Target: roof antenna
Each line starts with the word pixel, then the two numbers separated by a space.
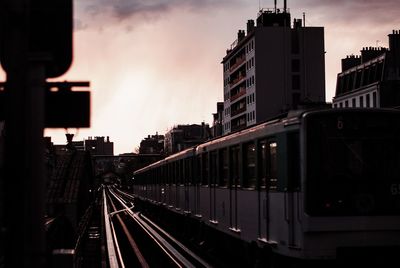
pixel 304 19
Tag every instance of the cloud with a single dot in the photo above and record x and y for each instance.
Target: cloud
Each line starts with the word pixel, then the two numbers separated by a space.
pixel 125 9
pixel 354 11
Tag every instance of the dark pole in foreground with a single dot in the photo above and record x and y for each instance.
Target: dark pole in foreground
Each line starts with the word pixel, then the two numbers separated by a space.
pixel 24 165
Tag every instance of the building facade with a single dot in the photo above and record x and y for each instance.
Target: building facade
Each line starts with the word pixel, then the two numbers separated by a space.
pixel 371 79
pixel 272 69
pixel 153 144
pixel 216 129
pixel 99 146
pixel 182 137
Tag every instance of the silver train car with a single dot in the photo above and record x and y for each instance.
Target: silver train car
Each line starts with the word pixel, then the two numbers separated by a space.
pixel 309 185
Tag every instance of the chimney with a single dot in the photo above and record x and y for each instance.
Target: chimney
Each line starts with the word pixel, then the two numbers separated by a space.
pixel 369 53
pixel 241 35
pixel 297 23
pixel 250 26
pixel 350 62
pixel 284 6
pixel 69 137
pixel 394 46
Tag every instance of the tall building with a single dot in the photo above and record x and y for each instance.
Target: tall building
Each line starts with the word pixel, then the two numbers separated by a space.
pixel 271 69
pixel 371 79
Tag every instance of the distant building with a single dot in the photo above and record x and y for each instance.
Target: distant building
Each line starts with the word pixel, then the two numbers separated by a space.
pixel 216 129
pixel 371 79
pixel 99 146
pixel 271 69
pixel 153 144
pixel 185 136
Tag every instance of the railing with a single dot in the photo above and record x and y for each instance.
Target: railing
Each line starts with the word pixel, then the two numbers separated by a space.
pixel 239 111
pixel 238 62
pixel 237 80
pixel 238 95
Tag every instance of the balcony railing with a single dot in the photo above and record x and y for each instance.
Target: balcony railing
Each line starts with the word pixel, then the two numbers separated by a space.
pixel 238 127
pixel 238 62
pixel 238 95
pixel 239 111
pixel 237 80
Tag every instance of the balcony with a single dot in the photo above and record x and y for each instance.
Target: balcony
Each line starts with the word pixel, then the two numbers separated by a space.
pixel 237 80
pixel 238 62
pixel 238 95
pixel 239 123
pixel 239 111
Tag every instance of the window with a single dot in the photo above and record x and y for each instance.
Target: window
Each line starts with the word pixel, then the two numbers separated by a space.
pixel 204 169
pixel 353 102
pixel 295 65
pixel 346 104
pixel 295 82
pixel 224 167
pixel 250 166
pixel 367 104
pixel 273 166
pixel 263 153
pixel 374 104
pixel 235 166
pixel 361 101
pixel 268 165
pixel 213 168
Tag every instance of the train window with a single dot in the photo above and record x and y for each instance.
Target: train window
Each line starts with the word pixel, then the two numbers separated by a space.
pixel 183 173
pixel 170 174
pixel 213 168
pixel 173 173
pixel 204 169
pixel 249 166
pixel 196 170
pixel 186 171
pixel 224 167
pixel 235 161
pixel 263 153
pixel 272 166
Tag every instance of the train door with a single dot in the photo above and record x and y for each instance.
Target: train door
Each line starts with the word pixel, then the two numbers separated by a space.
pixel 234 187
pixel 291 184
pixel 213 184
pixel 267 174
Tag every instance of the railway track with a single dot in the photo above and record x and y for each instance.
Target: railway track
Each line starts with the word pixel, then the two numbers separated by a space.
pixel 135 241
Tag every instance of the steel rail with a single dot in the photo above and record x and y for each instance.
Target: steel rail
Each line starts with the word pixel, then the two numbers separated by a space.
pixel 166 245
pixel 131 241
pixel 114 254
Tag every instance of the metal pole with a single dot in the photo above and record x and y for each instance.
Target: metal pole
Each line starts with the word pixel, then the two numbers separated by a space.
pixel 24 151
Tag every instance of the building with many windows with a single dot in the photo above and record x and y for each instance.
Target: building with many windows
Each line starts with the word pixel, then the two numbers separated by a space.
pixel 271 69
pixel 181 137
pixel 371 79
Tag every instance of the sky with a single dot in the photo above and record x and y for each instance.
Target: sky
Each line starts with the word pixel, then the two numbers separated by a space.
pixel 155 64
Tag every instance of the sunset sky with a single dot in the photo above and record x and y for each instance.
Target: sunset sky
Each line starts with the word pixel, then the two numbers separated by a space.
pixel 155 64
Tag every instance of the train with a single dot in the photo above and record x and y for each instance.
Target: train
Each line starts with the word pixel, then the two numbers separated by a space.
pixel 310 185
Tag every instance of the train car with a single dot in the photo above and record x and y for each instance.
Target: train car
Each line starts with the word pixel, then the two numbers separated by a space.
pixel 311 185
